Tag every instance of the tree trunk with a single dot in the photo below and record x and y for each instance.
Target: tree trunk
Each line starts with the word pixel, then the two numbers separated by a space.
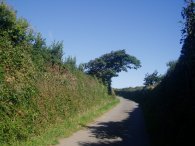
pixel 109 87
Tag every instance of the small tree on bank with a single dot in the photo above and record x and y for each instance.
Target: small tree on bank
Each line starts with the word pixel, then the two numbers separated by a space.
pixel 152 79
pixel 109 65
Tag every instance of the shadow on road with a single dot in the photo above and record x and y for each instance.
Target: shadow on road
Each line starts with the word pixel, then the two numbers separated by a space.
pixel 129 132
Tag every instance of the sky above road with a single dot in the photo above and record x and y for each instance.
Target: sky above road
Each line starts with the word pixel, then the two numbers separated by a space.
pixel 147 29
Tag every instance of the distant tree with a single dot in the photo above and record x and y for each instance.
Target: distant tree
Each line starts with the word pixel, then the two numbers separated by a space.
pixel 56 53
pixel 39 42
pixel 171 66
pixel 70 63
pixel 152 79
pixel 109 65
pixel 41 55
pixel 81 67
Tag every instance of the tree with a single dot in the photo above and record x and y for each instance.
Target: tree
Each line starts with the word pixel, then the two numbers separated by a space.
pixel 188 51
pixel 12 27
pixel 40 53
pixel 56 53
pixel 187 57
pixel 7 18
pixel 152 79
pixel 70 63
pixel 109 65
pixel 171 66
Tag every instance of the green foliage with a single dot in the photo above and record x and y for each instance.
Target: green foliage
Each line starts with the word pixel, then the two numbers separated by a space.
pixel 171 66
pixel 70 63
pixel 7 18
pixel 152 79
pixel 11 27
pixel 38 90
pixel 56 53
pixel 39 42
pixel 189 20
pixel 81 67
pixel 169 107
pixel 187 58
pixel 1 74
pixel 40 53
pixel 109 65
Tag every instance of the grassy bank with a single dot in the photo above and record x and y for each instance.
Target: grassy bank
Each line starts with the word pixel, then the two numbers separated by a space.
pixel 68 126
pixel 61 104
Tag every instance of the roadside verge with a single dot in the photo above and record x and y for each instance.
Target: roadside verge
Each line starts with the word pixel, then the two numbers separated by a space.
pixel 71 125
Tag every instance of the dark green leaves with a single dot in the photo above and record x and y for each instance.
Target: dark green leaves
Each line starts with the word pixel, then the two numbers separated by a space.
pixel 109 65
pixel 56 52
pixel 152 79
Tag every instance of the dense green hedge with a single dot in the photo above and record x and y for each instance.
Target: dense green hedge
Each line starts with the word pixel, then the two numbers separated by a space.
pixel 170 107
pixel 37 88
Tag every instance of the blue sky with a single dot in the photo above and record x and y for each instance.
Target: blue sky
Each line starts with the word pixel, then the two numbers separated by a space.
pixel 146 29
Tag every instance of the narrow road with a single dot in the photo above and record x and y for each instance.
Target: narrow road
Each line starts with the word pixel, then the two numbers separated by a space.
pixel 121 126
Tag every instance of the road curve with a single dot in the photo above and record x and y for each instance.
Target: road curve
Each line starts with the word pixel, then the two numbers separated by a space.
pixel 121 126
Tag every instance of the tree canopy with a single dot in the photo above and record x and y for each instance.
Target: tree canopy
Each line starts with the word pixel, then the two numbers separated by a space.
pixel 152 79
pixel 110 64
